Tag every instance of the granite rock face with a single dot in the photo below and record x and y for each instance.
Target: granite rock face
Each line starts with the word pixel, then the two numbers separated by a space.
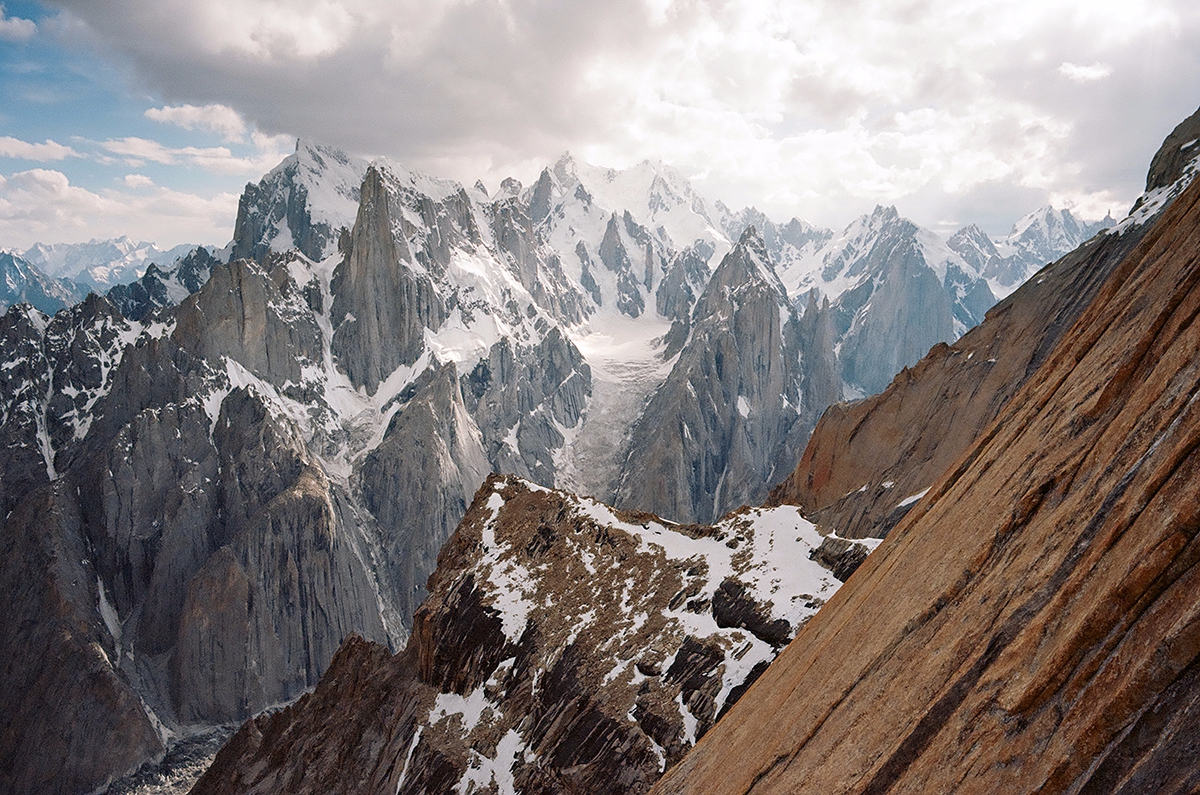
pixel 737 400
pixel 419 481
pixel 381 307
pixel 564 647
pixel 255 317
pixel 58 660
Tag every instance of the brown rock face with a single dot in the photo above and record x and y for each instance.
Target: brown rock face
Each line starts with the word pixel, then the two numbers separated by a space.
pixel 1031 625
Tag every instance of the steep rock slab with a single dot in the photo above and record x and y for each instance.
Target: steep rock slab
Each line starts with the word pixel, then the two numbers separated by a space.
pixel 1041 631
pixel 381 307
pixel 256 317
pixel 564 647
pixel 732 407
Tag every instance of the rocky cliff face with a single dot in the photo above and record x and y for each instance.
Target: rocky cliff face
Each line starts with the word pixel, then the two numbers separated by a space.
pixel 735 401
pixel 1045 646
pixel 193 533
pixel 564 647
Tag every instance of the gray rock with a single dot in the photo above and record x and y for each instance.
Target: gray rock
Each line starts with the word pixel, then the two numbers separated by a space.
pixel 381 307
pixel 256 318
pixel 731 413
pixel 420 479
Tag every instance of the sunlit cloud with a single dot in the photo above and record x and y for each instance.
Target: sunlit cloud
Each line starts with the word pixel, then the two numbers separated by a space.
pixel 218 118
pixel 15 28
pixel 1084 74
pixel 136 152
pixel 43 152
pixel 42 204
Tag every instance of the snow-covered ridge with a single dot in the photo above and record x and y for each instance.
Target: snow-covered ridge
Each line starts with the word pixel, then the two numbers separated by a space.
pixel 630 610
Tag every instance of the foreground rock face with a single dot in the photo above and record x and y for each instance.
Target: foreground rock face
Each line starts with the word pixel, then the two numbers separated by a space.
pixel 563 648
pixel 1041 631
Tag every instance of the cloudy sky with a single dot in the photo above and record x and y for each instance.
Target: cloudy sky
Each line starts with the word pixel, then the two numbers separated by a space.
pixel 146 117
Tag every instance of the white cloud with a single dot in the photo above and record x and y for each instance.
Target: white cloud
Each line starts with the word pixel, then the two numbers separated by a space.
pixel 136 152
pixel 43 205
pixel 15 28
pixel 137 181
pixel 219 118
pixel 1084 74
pixel 48 150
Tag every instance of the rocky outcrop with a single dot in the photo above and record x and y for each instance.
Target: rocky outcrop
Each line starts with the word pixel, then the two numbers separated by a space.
pixel 732 408
pixel 564 647
pixel 1171 161
pixel 72 723
pixel 1047 643
pixel 419 481
pixel 257 318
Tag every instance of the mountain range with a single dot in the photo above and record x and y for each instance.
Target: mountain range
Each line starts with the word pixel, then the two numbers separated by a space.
pixel 1036 627
pixel 250 457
